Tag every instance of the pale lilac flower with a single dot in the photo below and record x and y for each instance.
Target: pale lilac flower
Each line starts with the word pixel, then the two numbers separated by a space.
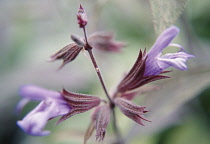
pixel 52 105
pixel 136 78
pixel 155 63
pixel 150 66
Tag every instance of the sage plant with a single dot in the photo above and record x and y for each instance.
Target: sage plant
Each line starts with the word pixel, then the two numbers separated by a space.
pixel 149 66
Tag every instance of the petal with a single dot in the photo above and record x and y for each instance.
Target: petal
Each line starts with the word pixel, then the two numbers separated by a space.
pixel 156 63
pixel 163 41
pixel 21 104
pixel 35 121
pixel 33 92
pixel 152 68
pixel 176 60
pixel 52 105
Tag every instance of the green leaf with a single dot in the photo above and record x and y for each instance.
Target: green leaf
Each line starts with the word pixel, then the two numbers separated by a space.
pixel 166 12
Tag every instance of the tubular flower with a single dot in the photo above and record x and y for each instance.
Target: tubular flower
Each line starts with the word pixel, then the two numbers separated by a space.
pixel 52 105
pixel 136 76
pixel 147 68
pixel 155 63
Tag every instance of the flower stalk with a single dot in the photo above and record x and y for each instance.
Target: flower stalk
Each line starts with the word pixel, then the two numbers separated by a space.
pixel 112 105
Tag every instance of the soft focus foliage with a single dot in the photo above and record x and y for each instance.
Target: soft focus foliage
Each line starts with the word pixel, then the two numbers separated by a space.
pixel 166 12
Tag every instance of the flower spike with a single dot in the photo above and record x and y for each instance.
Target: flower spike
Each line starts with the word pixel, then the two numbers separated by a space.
pixel 147 68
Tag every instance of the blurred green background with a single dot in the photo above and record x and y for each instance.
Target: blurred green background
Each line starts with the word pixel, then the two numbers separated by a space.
pixel 31 31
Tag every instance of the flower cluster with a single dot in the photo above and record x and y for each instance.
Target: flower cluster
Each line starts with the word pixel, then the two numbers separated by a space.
pixel 148 67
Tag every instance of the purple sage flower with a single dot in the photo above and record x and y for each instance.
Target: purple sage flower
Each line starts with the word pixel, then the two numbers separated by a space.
pixel 148 67
pixel 155 63
pixel 52 105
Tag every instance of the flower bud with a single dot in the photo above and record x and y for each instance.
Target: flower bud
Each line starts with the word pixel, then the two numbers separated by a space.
pixel 78 40
pixel 82 17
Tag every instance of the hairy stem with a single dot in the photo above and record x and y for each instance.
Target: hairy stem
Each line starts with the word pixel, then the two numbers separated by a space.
pixel 99 74
pixel 116 130
pixel 112 105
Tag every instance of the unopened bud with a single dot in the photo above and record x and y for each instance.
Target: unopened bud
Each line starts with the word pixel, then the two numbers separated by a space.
pixel 82 17
pixel 78 40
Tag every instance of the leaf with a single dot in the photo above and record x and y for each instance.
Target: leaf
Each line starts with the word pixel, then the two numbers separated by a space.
pixel 166 12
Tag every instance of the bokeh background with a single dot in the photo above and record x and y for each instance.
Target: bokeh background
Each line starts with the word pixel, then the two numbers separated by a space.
pixel 31 31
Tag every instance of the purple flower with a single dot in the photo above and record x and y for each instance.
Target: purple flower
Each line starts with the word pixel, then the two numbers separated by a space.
pixel 155 63
pixel 148 67
pixel 136 78
pixel 52 105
